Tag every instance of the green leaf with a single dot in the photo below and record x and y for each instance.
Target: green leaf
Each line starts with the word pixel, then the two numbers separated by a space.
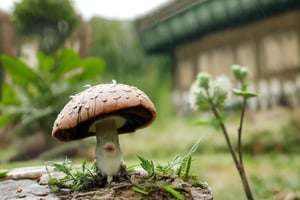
pixel 244 94
pixel 93 64
pixel 9 95
pixel 147 165
pixel 188 167
pixel 64 167
pixel 46 63
pixel 21 73
pixel 193 149
pixel 68 59
pixel 91 68
pixel 250 95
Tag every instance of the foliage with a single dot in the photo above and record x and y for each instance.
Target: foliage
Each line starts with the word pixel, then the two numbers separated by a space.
pixel 174 167
pixel 106 38
pixel 116 42
pixel 52 20
pixel 206 93
pixel 76 178
pixel 33 96
pixel 284 140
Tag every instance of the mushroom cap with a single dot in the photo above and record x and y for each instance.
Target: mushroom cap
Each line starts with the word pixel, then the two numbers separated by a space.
pixel 101 101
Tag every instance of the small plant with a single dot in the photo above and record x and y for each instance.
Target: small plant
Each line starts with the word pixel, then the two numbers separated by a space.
pixel 75 179
pixel 206 93
pixel 180 165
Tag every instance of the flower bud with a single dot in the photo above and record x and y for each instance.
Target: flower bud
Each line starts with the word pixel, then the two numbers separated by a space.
pixel 236 71
pixel 203 79
pixel 243 72
pixel 239 72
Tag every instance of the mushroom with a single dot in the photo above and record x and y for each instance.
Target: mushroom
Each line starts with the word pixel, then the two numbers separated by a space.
pixel 104 111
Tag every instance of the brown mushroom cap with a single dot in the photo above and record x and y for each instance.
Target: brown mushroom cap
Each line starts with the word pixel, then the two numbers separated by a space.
pixel 101 101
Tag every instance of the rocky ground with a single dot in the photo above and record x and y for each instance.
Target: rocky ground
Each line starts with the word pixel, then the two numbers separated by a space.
pixel 31 183
pixel 26 183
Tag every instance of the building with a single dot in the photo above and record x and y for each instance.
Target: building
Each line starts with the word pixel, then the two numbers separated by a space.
pixel 211 35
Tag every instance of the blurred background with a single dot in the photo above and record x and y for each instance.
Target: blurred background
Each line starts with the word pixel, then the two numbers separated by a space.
pixel 51 49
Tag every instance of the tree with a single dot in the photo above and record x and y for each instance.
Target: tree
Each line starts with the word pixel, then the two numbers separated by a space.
pixel 51 20
pixel 106 41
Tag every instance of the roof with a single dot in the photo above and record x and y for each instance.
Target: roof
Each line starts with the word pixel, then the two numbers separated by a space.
pixel 181 21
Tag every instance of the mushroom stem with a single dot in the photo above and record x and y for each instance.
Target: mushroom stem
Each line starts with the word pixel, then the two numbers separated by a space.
pixel 108 152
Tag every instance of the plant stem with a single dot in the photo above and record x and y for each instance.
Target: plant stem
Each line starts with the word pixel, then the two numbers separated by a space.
pixel 240 153
pixel 224 130
pixel 239 145
pixel 238 162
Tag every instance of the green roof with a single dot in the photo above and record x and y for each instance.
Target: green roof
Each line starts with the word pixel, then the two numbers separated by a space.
pixel 201 17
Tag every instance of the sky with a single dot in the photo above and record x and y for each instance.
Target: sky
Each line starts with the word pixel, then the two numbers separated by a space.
pixel 116 9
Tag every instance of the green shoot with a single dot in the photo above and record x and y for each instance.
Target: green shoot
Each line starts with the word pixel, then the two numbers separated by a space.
pixel 3 173
pixel 173 192
pixel 188 167
pixel 75 179
pixel 139 190
pixel 147 165
pixel 176 166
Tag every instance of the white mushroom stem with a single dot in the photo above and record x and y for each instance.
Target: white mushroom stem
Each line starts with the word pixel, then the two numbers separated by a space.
pixel 108 152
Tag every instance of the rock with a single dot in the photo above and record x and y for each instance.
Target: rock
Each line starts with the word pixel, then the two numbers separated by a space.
pixel 28 172
pixel 23 183
pixel 25 189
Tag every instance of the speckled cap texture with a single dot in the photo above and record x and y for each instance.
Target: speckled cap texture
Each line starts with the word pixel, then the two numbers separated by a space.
pixel 100 101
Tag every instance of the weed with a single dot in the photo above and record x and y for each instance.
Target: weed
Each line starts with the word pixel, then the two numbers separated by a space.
pixel 206 93
pixel 75 179
pixel 180 165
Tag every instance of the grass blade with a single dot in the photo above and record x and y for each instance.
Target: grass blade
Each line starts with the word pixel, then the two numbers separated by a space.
pixel 3 173
pixel 174 193
pixel 139 190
